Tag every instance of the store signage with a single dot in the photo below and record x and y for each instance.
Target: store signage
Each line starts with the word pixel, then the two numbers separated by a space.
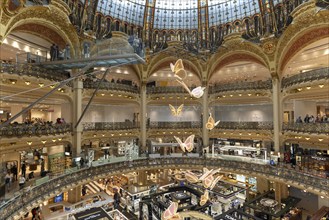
pixel 319 158
pixel 230 217
pixel 92 214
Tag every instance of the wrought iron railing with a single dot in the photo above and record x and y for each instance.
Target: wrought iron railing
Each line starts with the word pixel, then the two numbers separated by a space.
pixel 18 205
pixel 315 128
pixel 98 126
pixel 33 70
pixel 247 86
pixel 309 76
pixel 89 84
pixel 165 89
pixel 19 130
pixel 174 125
pixel 231 125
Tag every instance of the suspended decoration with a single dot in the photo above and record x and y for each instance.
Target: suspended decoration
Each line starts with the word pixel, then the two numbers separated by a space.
pixel 188 145
pixel 196 92
pixel 171 212
pixel 211 124
pixel 176 112
pixel 178 70
pixel 204 198
pixel 209 181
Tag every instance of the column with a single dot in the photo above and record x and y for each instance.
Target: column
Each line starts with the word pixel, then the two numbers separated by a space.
pixel 14 110
pixel 262 185
pixel 77 110
pixel 143 116
pixel 277 188
pixel 205 115
pixel 276 113
pixel 74 195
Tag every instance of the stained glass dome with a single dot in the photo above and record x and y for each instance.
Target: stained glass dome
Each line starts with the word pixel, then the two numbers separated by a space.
pixel 178 14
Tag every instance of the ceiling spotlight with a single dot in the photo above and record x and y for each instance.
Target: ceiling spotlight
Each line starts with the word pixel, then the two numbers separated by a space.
pixel 54 140
pixel 111 94
pixel 95 135
pixel 322 197
pixel 307 138
pixel 27 83
pixel 321 86
pixel 29 142
pixel 103 135
pixel 52 86
pixel 249 94
pixel 231 95
pixel 299 89
pixel 102 94
pixel 308 87
pixel 224 96
pixel 13 81
pixel 41 84
pixel 43 141
pixel 240 94
pixel 320 139
pixel 62 90
pixel 59 139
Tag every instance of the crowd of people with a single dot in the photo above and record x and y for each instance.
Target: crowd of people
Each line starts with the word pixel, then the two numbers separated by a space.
pixel 57 54
pixel 312 119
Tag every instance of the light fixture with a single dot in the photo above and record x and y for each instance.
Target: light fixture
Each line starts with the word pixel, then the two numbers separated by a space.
pixel 305 190
pixel 231 95
pixel 62 90
pixel 308 87
pixel 240 94
pixel 224 96
pixel 288 186
pixel 112 135
pixel 249 134
pixel 249 94
pixel 13 81
pixel 95 135
pixel 103 135
pixel 52 86
pixel 54 140
pixel 27 83
pixel 307 138
pixel 43 141
pixel 41 84
pixel 102 94
pixel 321 86
pixel 59 139
pixel 322 197
pixel 299 89
pixel 320 139
pixel 111 94
pixel 29 142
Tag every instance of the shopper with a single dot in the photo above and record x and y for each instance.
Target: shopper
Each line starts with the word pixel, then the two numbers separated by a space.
pixel 14 172
pixel 21 181
pixel 52 52
pixel 23 170
pixel 8 181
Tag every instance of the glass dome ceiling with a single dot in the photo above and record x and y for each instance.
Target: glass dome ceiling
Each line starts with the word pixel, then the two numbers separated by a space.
pixel 178 14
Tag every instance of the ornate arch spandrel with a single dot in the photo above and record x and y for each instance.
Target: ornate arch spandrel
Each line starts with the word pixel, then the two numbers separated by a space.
pixel 50 17
pixel 163 61
pixel 237 49
pixel 309 23
pixel 233 57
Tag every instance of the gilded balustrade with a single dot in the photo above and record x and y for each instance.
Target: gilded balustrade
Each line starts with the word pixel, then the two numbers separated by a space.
pixel 309 76
pixel 89 84
pixel 33 70
pixel 247 86
pixel 19 130
pixel 99 126
pixel 19 204
pixel 313 128
pixel 165 90
pixel 230 125
pixel 174 125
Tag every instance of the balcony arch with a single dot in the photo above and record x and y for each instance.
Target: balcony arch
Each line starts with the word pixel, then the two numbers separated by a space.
pixel 38 19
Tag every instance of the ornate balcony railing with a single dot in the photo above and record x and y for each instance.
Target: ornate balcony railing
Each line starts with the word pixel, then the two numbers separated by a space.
pixel 320 128
pixel 32 70
pixel 174 125
pixel 165 90
pixel 18 205
pixel 19 130
pixel 98 126
pixel 231 125
pixel 309 76
pixel 259 85
pixel 89 84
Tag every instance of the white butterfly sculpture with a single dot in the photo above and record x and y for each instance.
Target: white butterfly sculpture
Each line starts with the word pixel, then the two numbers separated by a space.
pixel 171 212
pixel 204 198
pixel 211 124
pixel 196 92
pixel 175 112
pixel 208 179
pixel 178 69
pixel 188 144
